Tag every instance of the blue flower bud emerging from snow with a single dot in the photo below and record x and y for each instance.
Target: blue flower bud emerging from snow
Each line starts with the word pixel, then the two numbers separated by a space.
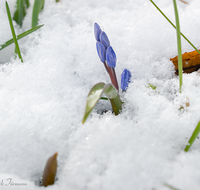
pixel 104 39
pixel 125 79
pixel 97 31
pixel 101 50
pixel 111 57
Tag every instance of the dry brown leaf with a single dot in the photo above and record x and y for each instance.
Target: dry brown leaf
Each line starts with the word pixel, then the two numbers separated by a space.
pixel 191 62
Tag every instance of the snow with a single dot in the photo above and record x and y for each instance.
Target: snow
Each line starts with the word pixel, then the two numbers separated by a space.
pixel 43 99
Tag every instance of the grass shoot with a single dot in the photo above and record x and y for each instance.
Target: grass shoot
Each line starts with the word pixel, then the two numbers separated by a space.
pixel 13 32
pixel 193 137
pixel 20 12
pixel 174 26
pixel 9 42
pixel 37 7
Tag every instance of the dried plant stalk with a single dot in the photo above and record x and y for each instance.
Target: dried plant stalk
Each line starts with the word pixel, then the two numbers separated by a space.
pixel 183 1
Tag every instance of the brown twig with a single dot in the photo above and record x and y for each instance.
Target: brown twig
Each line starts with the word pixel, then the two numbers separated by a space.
pixel 183 1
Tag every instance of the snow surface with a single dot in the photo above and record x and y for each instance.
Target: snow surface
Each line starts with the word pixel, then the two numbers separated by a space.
pixel 43 99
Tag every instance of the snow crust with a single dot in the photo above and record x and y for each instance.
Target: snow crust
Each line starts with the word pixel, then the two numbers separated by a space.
pixel 42 100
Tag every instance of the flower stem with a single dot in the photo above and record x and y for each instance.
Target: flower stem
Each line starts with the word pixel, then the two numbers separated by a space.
pixel 105 65
pixel 112 75
pixel 115 79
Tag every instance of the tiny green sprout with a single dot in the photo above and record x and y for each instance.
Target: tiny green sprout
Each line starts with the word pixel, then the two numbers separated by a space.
pixel 50 171
pixel 95 95
pixel 151 86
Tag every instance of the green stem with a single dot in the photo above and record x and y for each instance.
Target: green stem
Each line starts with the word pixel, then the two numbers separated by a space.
pixel 116 104
pixel 174 26
pixel 180 64
pixel 13 31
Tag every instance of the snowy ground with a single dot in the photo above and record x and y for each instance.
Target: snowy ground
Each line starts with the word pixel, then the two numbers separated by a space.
pixel 43 100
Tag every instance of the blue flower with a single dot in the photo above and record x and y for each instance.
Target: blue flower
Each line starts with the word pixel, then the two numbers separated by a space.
pixel 104 39
pixel 125 79
pixel 111 57
pixel 97 31
pixel 101 50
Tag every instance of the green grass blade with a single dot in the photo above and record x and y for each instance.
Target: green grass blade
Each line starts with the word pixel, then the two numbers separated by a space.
pixel 37 7
pixel 174 26
pixel 193 137
pixel 13 31
pixel 178 33
pixel 20 36
pixel 20 12
pixel 170 187
pixel 27 3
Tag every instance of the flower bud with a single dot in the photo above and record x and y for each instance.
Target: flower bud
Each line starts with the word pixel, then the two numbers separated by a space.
pixel 111 57
pixel 104 39
pixel 97 31
pixel 125 79
pixel 101 50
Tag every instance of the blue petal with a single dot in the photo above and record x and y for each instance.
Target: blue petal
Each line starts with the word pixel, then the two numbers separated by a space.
pixel 125 79
pixel 104 39
pixel 111 57
pixel 101 50
pixel 97 31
